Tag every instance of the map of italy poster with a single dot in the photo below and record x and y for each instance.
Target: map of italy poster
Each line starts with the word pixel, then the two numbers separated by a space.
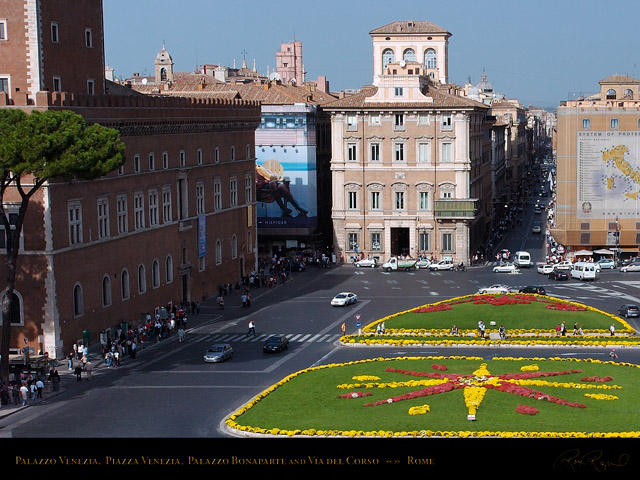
pixel 608 174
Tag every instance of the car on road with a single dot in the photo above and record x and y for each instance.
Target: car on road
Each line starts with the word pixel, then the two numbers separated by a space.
pixel 545 268
pixel 629 310
pixel 218 353
pixel 343 299
pixel 604 263
pixel 275 343
pixel 366 262
pixel 565 265
pixel 558 275
pixel 424 263
pixel 505 268
pixel 536 229
pixel 537 210
pixel 498 288
pixel 631 267
pixel 537 289
pixel 441 265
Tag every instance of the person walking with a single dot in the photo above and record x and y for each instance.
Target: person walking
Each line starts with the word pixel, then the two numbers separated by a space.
pixel 78 372
pixel 54 377
pixel 39 387
pixel 343 328
pixel 24 393
pixel 613 355
pixel 180 334
pixel 89 369
pixel 70 360
pixel 252 328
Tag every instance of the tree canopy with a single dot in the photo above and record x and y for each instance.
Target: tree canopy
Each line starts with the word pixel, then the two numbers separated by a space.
pixel 41 146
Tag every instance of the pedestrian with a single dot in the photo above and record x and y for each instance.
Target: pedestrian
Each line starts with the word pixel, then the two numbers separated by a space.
pixel 78 372
pixel 575 328
pixel 133 349
pixel 109 359
pixel 252 328
pixel 24 393
pixel 558 330
pixel 221 302
pixel 70 360
pixel 248 299
pixel 180 334
pixel 343 328
pixel 612 329
pixel 382 328
pixel 613 355
pixel 116 358
pixel 243 298
pixel 563 329
pixel 33 390
pixel 54 376
pixel 39 387
pixel 378 329
pixel 89 369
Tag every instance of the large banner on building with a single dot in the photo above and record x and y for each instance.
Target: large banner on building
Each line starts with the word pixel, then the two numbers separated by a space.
pixel 608 174
pixel 286 187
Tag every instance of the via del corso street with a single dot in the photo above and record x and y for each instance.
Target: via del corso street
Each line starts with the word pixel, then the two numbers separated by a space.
pixel 169 391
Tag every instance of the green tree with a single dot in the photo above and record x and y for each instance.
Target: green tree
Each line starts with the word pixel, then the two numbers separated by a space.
pixel 37 147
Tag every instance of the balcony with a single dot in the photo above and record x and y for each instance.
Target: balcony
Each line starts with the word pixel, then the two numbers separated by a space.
pixel 455 209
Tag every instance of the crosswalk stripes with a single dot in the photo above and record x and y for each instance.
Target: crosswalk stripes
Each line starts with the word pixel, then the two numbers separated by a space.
pixel 243 337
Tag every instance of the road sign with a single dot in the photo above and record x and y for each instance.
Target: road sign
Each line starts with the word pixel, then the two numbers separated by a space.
pixel 357 316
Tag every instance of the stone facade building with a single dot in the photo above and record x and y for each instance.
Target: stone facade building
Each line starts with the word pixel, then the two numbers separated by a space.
pixel 597 161
pixel 411 156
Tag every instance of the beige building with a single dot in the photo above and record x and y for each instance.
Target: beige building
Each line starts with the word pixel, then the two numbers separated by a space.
pixel 598 169
pixel 403 150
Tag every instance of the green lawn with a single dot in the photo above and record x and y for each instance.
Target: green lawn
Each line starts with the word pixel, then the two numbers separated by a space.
pixel 314 397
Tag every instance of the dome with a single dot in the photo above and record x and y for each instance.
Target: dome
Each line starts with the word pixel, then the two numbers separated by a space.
pixel 164 56
pixel 484 86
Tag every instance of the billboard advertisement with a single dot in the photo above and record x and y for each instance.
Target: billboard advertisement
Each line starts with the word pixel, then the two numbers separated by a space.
pixel 286 187
pixel 608 174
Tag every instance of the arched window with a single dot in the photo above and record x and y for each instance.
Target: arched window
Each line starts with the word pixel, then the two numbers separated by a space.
pixel 124 284
pixel 142 279
pixel 234 247
pixel 106 291
pixel 78 305
pixel 163 74
pixel 430 58
pixel 155 274
pixel 387 57
pixel 169 269
pixel 16 314
pixel 409 55
pixel 611 94
pixel 628 94
pixel 218 252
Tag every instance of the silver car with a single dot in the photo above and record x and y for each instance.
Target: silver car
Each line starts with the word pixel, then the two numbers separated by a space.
pixel 218 353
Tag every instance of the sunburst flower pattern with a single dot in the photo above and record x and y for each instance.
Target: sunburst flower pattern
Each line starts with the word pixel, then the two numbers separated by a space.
pixel 475 385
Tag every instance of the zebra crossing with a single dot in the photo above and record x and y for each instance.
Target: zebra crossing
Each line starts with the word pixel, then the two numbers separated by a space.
pixel 243 337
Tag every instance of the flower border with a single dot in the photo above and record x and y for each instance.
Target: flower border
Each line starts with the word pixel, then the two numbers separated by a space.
pixel 234 427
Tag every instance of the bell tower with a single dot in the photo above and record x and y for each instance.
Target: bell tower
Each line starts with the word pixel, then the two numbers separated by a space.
pixel 164 66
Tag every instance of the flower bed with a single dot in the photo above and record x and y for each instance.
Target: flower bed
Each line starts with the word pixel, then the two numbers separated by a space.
pixel 485 392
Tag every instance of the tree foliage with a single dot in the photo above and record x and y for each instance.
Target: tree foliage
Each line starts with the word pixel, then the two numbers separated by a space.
pixel 40 146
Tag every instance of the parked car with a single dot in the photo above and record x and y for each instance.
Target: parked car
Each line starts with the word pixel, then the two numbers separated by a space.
pixel 498 288
pixel 605 263
pixel 537 210
pixel 344 298
pixel 629 310
pixel 505 268
pixel 275 343
pixel 545 268
pixel 218 353
pixel 424 263
pixel 558 274
pixel 536 229
pixel 631 267
pixel 533 289
pixel 441 265
pixel 366 262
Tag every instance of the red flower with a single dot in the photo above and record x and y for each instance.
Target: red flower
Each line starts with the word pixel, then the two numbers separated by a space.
pixel 526 409
pixel 438 367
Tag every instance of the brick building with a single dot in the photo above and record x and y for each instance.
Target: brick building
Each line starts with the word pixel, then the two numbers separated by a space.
pixel 175 222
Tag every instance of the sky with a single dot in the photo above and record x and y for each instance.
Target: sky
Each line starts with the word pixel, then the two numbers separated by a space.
pixel 540 52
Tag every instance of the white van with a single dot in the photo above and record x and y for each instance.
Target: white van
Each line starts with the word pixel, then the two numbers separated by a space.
pixel 583 271
pixel 522 259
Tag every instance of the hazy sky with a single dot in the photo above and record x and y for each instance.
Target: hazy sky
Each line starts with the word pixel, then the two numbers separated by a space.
pixel 541 52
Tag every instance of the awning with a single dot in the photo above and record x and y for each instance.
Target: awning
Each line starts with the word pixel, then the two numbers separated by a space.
pixel 583 253
pixel 603 251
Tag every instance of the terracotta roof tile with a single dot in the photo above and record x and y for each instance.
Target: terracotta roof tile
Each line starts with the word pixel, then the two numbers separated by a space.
pixel 408 27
